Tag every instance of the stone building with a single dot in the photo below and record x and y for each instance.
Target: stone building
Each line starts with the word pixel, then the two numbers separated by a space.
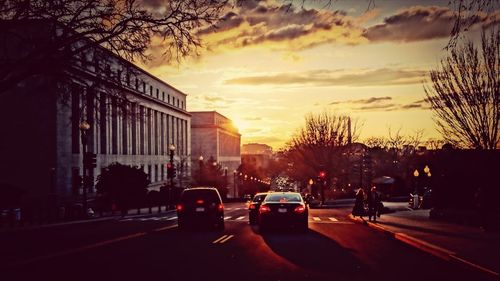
pixel 133 117
pixel 214 136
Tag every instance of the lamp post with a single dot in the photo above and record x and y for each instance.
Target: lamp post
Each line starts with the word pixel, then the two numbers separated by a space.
pixel 415 194
pixel 84 128
pixel 171 148
pixel 200 162
pixel 234 183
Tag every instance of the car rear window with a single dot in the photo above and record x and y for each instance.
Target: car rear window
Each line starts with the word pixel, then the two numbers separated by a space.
pixel 259 198
pixel 287 197
pixel 205 194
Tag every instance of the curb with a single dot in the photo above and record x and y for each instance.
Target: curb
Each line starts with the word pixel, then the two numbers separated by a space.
pixel 432 249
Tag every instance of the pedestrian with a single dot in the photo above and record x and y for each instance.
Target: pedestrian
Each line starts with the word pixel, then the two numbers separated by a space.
pixel 359 207
pixel 373 199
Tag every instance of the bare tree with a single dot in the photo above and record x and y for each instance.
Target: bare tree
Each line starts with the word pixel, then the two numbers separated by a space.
pixel 466 15
pixel 377 142
pixel 126 27
pixel 318 146
pixel 465 94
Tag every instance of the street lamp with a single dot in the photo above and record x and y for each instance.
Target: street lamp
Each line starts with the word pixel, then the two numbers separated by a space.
pixel 84 128
pixel 171 148
pixel 234 183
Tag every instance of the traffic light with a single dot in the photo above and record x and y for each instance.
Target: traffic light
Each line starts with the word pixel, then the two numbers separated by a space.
pixel 89 160
pixel 171 172
pixel 322 174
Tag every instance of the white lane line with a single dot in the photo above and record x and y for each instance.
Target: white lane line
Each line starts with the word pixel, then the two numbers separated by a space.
pixel 227 238
pixel 219 239
pixel 164 228
pixel 316 219
pixel 240 218
pixel 229 209
pixel 226 218
pixel 171 218
pixel 77 250
pixel 333 219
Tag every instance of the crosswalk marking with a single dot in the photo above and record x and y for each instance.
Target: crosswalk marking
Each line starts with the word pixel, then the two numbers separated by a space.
pixel 333 219
pixel 231 218
pixel 240 218
pixel 316 218
pixel 228 217
pixel 172 218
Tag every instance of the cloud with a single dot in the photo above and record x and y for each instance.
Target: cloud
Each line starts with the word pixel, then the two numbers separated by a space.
pixel 423 23
pixel 254 22
pixel 373 77
pixel 379 104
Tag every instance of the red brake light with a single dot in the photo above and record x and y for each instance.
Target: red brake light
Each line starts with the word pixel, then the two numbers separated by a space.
pixel 200 201
pixel 264 209
pixel 220 207
pixel 252 207
pixel 299 209
pixel 179 208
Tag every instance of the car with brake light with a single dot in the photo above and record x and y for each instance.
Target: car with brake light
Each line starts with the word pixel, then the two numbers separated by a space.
pixel 200 206
pixel 283 209
pixel 254 205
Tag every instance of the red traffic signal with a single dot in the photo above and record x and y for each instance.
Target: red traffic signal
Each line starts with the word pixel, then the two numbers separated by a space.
pixel 322 174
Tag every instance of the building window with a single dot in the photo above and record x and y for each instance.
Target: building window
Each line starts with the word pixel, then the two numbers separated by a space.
pixel 144 87
pixel 128 79
pixel 136 83
pixel 162 176
pixel 141 130
pixel 163 96
pixel 156 172
pixel 157 93
pixel 149 173
pixel 75 119
pixel 124 129
pixel 151 90
pixel 148 128
pixel 182 104
pixel 133 111
pixel 102 120
pixel 168 100
pixel 76 181
pixel 114 126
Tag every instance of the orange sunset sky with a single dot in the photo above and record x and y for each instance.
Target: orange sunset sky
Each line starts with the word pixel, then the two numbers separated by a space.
pixel 266 67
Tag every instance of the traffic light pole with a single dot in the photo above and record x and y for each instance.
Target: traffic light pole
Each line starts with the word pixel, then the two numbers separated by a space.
pixel 170 197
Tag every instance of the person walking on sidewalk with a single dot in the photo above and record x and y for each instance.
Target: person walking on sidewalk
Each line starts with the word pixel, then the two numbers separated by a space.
pixel 359 207
pixel 373 204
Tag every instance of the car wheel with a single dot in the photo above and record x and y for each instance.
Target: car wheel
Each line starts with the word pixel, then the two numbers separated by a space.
pixel 220 225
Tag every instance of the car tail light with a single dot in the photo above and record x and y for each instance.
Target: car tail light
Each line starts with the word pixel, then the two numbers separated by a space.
pixel 200 201
pixel 252 207
pixel 299 209
pixel 179 208
pixel 220 207
pixel 264 209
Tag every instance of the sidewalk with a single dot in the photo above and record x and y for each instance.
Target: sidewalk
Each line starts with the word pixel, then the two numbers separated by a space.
pixel 466 245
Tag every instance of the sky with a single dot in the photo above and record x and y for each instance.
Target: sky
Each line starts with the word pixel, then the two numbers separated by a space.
pixel 266 67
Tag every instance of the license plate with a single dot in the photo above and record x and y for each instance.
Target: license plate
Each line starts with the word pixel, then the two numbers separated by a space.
pixel 282 210
pixel 200 209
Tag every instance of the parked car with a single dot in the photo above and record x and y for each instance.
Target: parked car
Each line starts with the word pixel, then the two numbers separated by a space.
pixel 283 209
pixel 424 200
pixel 254 205
pixel 200 206
pixel 312 201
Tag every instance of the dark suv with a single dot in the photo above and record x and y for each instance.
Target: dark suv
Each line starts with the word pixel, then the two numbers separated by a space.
pixel 200 206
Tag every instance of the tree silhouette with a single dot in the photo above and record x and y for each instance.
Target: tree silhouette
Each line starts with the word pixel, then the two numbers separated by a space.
pixel 465 94
pixel 125 27
pixel 125 185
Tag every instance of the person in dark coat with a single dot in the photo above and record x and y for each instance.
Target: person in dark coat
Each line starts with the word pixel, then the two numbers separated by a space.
pixel 373 199
pixel 359 208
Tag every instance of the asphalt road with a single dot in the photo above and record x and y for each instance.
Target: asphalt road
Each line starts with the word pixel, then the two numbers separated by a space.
pixel 152 247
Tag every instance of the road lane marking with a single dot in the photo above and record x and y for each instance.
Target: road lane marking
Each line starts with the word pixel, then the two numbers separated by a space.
pixel 228 217
pixel 77 250
pixel 316 218
pixel 225 239
pixel 219 239
pixel 171 218
pixel 240 218
pixel 228 209
pixel 333 219
pixel 164 228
